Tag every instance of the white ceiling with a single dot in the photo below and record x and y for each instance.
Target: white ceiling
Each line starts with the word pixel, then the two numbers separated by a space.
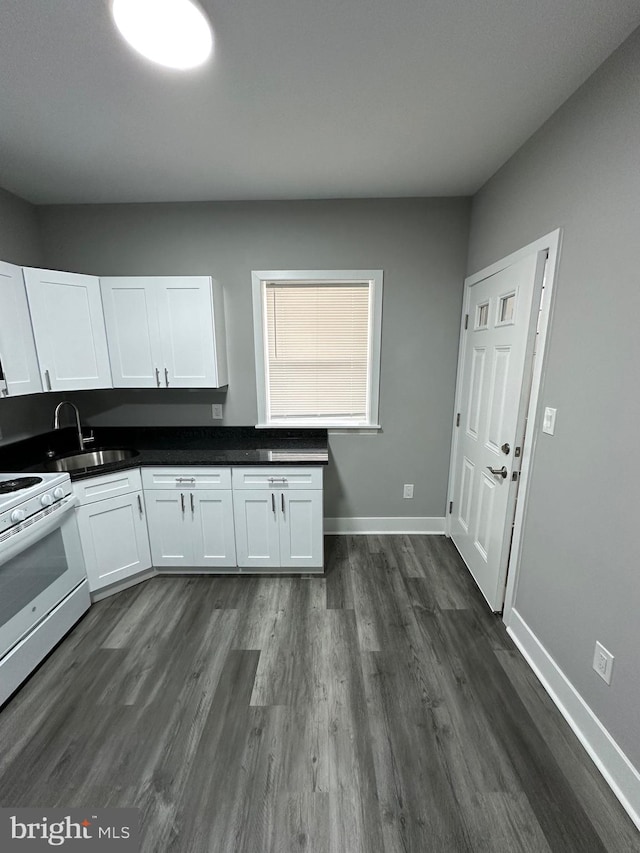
pixel 303 99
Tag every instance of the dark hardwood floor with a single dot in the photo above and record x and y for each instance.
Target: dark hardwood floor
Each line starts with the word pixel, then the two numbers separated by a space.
pixel 379 709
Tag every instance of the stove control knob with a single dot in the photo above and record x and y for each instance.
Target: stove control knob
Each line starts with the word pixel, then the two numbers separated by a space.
pixel 58 493
pixel 17 515
pixel 46 500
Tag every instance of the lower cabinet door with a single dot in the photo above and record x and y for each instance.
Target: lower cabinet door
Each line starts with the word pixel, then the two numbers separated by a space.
pixel 257 528
pixel 170 530
pixel 114 539
pixel 212 528
pixel 301 529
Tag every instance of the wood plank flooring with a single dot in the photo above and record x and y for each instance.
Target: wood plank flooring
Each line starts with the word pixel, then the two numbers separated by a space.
pixel 378 709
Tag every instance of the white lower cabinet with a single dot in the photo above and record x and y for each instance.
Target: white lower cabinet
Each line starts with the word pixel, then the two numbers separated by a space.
pixel 113 528
pixel 278 518
pixel 200 520
pixel 190 518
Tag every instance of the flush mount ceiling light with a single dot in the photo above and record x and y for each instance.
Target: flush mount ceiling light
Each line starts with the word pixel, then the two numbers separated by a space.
pixel 175 33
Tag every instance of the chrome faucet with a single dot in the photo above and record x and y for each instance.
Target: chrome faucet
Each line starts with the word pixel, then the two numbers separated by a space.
pixel 56 422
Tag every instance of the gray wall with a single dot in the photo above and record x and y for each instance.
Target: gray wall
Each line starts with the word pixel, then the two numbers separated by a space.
pixel 580 574
pixel 19 232
pixel 419 243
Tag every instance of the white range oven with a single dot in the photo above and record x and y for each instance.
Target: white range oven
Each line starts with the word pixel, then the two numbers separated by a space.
pixel 43 584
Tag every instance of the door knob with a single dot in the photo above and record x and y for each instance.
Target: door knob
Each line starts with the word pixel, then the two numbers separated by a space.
pixel 506 448
pixel 498 472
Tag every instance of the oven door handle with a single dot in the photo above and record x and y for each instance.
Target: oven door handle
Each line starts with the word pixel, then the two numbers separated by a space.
pixel 36 531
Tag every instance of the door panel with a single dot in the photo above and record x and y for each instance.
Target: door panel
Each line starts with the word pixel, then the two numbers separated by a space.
pixel 68 324
pixel 301 529
pixel 114 540
pixel 185 312
pixel 169 530
pixel 17 346
pixel 256 526
pixel 214 540
pixel 132 330
pixel 496 353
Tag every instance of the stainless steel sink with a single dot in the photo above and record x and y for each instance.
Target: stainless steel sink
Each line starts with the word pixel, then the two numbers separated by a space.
pixel 88 459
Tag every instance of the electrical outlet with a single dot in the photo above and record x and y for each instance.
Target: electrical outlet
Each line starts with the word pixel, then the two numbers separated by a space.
pixel 408 490
pixel 603 662
pixel 549 421
pixel 216 411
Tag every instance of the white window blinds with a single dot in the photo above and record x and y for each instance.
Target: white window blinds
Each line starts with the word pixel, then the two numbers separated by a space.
pixel 317 350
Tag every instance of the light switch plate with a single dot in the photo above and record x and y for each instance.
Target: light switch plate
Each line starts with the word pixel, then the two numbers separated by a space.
pixel 549 421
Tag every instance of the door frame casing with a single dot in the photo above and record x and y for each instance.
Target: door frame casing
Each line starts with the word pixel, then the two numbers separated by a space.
pixel 551 243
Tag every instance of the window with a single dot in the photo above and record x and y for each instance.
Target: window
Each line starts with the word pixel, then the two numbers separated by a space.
pixel 317 336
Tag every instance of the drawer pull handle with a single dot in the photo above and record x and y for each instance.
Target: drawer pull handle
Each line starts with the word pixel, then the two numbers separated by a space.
pixel 185 479
pixel 277 479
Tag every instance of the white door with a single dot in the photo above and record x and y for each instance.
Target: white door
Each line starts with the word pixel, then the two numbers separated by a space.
pixel 18 360
pixel 495 352
pixel 301 529
pixel 257 528
pixel 213 532
pixel 169 522
pixel 114 539
pixel 131 318
pixel 68 325
pixel 185 312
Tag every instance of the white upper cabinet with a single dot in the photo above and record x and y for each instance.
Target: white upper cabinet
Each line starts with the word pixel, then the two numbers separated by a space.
pixel 68 326
pixel 165 331
pixel 18 360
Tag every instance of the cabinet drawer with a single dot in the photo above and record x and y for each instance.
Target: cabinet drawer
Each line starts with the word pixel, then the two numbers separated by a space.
pixel 186 478
pixel 107 486
pixel 277 478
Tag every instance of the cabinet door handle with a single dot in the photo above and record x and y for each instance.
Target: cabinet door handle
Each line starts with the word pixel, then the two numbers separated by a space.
pixel 182 502
pixel 193 509
pixel 48 380
pixel 273 503
pixel 282 501
pixel 166 376
pixel 140 505
pixel 157 377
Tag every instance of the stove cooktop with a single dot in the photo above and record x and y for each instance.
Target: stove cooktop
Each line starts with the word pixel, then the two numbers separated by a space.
pixel 18 483
pixel 16 489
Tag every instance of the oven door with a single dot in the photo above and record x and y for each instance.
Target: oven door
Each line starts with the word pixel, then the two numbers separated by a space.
pixel 40 563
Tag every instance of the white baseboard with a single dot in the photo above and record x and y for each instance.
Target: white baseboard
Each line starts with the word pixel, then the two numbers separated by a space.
pixel 619 772
pixel 417 524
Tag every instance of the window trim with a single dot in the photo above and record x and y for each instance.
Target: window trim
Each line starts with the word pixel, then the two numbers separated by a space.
pixel 259 279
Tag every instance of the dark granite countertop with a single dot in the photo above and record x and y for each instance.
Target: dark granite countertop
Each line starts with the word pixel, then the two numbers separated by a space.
pixel 173 446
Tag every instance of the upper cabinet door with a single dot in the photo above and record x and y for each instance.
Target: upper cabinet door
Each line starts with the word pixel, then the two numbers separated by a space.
pixel 18 360
pixel 165 331
pixel 68 325
pixel 189 337
pixel 131 319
